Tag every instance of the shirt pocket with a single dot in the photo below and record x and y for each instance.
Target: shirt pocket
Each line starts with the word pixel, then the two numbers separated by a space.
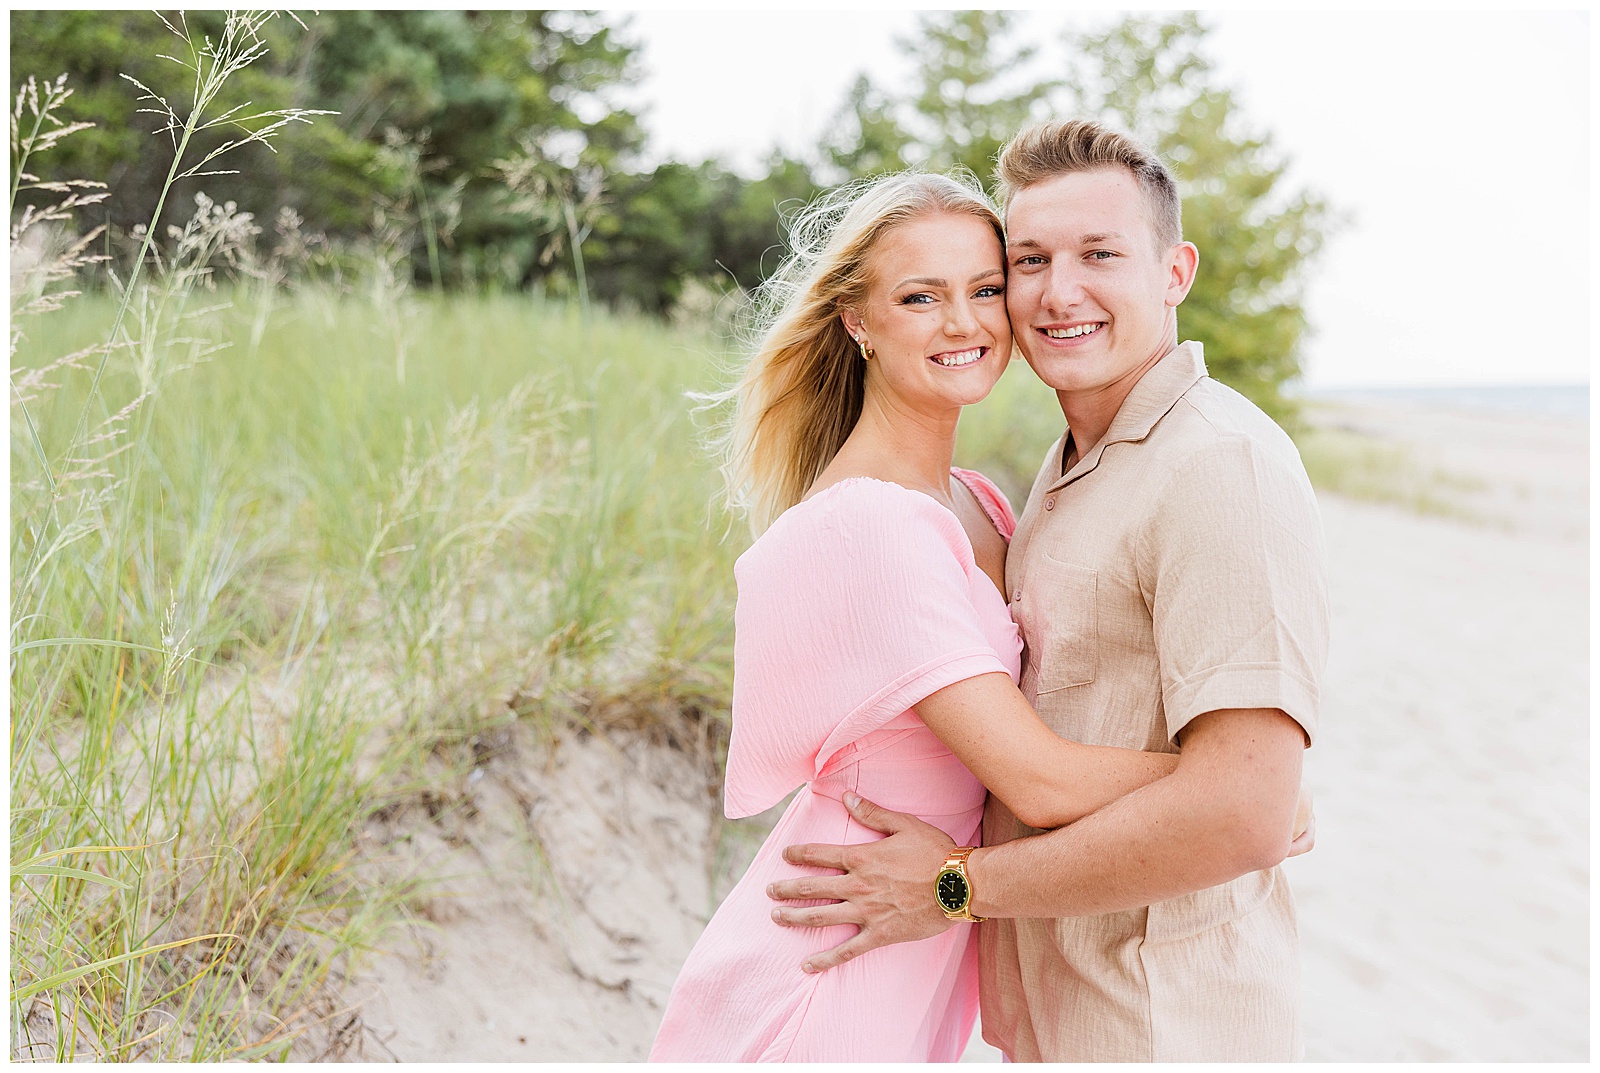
pixel 1061 623
pixel 1190 914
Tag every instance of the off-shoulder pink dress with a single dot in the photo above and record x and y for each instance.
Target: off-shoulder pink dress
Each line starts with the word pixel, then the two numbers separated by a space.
pixel 854 606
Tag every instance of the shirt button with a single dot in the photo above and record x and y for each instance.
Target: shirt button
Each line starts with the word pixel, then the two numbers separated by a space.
pixel 1050 504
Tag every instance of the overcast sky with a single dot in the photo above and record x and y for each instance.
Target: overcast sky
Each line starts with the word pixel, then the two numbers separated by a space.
pixel 1457 144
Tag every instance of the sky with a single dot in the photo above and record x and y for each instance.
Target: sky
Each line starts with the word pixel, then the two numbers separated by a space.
pixel 1454 144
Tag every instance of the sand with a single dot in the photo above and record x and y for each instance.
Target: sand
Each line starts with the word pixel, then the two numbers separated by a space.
pixel 573 884
pixel 1444 911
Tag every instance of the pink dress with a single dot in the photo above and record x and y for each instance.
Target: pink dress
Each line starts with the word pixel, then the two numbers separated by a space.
pixel 854 606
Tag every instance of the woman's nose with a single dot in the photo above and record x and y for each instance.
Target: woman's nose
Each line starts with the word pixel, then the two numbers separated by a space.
pixel 962 319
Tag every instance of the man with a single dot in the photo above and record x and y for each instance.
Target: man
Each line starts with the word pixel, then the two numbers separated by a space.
pixel 1168 578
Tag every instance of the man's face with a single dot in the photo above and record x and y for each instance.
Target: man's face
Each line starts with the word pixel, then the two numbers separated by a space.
pixel 1092 301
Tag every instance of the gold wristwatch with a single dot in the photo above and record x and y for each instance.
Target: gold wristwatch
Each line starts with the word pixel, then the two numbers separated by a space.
pixel 951 887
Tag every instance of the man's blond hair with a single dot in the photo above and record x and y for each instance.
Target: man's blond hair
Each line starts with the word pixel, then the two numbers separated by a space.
pixel 1046 150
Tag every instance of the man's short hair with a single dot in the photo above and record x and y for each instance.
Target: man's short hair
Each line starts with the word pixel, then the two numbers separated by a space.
pixel 1046 150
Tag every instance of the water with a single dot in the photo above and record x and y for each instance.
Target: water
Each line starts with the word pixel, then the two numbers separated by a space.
pixel 1545 400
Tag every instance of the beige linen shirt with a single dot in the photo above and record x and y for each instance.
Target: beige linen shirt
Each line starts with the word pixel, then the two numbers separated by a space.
pixel 1179 568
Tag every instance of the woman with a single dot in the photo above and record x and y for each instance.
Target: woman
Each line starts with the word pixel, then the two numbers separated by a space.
pixel 873 649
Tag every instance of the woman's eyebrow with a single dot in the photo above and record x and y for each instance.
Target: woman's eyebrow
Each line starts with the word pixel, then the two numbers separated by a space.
pixel 930 281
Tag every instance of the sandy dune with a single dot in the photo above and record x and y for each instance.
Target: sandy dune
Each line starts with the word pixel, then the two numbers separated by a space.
pixel 572 884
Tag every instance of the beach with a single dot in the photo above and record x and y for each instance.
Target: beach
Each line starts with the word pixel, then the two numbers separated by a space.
pixel 1443 912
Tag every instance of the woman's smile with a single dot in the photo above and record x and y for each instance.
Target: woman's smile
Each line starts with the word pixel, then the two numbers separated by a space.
pixel 959 359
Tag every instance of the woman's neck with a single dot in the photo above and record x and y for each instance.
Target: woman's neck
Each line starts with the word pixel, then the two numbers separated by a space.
pixel 893 442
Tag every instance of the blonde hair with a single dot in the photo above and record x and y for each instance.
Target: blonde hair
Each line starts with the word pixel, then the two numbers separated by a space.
pixel 800 393
pixel 1046 150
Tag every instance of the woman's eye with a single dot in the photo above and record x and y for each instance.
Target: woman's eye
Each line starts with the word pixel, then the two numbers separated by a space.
pixel 990 291
pixel 916 299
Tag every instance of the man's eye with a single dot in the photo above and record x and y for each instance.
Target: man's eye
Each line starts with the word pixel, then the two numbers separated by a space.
pixel 1029 259
pixel 1102 255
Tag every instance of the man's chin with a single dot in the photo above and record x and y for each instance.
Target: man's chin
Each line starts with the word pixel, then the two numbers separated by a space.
pixel 1062 374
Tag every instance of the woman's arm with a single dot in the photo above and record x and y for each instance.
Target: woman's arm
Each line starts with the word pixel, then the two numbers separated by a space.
pixel 1043 778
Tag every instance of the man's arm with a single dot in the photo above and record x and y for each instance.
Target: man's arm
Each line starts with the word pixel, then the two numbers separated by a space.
pixel 1044 779
pixel 1228 809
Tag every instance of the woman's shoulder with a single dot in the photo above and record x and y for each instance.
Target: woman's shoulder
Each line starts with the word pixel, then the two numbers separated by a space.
pixel 990 498
pixel 865 501
pixel 857 514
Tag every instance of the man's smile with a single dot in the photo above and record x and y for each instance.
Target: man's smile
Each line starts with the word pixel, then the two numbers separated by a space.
pixel 1075 331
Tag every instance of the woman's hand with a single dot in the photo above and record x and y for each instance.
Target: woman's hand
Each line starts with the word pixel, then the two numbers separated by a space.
pixel 1305 826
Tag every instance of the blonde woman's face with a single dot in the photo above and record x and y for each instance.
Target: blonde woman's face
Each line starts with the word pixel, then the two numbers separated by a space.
pixel 936 312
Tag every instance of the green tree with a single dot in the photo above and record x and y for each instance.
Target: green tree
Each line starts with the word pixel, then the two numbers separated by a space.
pixel 975 92
pixel 975 87
pixel 427 102
pixel 864 137
pixel 102 52
pixel 468 92
pixel 692 222
pixel 1256 235
pixel 749 230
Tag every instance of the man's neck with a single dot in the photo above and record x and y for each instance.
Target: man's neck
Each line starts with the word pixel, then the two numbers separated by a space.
pixel 1090 413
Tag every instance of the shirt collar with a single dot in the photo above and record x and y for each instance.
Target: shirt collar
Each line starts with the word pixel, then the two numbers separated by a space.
pixel 1157 392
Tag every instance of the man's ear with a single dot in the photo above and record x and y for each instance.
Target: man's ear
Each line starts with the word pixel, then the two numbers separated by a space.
pixel 1183 262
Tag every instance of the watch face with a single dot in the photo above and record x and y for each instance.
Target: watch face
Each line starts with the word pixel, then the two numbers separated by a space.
pixel 952 891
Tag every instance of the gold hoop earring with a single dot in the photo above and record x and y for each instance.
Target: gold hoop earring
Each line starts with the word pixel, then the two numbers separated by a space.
pixel 867 354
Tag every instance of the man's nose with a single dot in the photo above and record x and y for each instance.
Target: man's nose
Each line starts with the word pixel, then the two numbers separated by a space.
pixel 1063 289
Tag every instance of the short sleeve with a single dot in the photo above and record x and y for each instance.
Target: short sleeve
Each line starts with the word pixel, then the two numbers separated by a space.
pixel 852 608
pixel 1233 567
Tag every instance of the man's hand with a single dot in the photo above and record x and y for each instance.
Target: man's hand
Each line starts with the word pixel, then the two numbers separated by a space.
pixel 886 889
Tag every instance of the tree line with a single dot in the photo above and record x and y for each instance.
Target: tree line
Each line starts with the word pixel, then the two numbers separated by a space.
pixel 494 149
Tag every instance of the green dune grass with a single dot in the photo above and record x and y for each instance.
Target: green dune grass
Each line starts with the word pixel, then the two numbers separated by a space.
pixel 326 548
